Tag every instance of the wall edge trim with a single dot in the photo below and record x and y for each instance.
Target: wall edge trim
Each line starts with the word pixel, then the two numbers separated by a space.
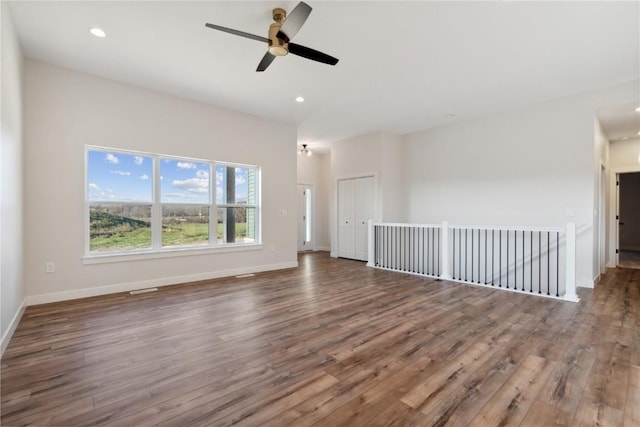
pixel 12 326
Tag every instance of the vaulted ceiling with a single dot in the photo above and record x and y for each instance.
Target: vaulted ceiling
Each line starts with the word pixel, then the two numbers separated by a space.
pixel 404 66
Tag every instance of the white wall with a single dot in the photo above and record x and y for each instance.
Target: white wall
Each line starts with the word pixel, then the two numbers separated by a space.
pixel 11 147
pixel 64 110
pixel 624 154
pixel 314 171
pixel 529 166
pixel 378 154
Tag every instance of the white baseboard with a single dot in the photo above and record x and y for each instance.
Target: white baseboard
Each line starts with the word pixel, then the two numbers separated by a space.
pixel 586 284
pixel 12 327
pixel 322 248
pixel 165 281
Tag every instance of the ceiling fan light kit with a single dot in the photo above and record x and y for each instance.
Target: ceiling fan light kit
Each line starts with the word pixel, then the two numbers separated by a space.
pixel 280 34
pixel 304 150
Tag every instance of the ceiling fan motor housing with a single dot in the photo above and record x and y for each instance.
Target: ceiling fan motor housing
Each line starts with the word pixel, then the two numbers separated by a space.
pixel 277 47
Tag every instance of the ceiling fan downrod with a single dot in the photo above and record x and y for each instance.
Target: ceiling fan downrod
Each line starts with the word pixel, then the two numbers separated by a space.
pixel 277 46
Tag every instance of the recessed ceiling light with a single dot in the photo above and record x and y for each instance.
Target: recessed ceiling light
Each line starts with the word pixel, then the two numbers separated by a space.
pixel 450 116
pixel 624 138
pixel 299 99
pixel 98 32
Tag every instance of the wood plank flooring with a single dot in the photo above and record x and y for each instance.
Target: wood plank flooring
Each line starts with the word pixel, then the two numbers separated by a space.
pixel 331 343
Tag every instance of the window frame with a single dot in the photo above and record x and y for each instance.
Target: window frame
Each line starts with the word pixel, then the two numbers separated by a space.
pixel 255 206
pixel 157 250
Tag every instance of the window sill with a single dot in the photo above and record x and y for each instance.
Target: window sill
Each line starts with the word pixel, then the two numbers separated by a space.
pixel 167 253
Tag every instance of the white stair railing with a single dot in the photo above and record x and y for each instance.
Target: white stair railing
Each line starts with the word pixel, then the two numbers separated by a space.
pixel 534 260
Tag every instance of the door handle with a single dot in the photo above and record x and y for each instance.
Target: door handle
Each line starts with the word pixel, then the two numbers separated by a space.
pixel 621 223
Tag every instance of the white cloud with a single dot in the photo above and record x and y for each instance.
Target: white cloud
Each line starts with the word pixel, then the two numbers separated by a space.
pixel 94 186
pixel 138 160
pixel 111 159
pixel 121 173
pixel 240 179
pixel 193 185
pixel 144 177
pixel 186 165
pixel 202 174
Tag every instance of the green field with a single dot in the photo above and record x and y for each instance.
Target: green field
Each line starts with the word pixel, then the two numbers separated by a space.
pixel 114 232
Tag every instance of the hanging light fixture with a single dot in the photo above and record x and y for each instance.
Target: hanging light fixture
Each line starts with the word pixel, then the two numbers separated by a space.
pixel 304 150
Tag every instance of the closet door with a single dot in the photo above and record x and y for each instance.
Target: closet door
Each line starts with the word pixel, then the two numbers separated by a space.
pixel 346 218
pixel 363 213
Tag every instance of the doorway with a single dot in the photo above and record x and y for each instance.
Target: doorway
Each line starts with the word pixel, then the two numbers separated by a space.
pixel 305 217
pixel 628 220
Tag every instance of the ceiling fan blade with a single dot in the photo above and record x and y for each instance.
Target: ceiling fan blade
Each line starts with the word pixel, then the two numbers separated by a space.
pixel 314 55
pixel 238 33
pixel 267 59
pixel 294 21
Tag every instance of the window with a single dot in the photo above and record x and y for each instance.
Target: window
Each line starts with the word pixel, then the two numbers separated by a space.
pixel 185 197
pixel 120 195
pixel 236 199
pixel 149 203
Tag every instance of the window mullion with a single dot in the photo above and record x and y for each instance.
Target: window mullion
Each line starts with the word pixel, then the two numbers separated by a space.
pixel 156 207
pixel 213 207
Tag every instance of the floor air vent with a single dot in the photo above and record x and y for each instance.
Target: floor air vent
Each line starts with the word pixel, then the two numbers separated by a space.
pixel 143 291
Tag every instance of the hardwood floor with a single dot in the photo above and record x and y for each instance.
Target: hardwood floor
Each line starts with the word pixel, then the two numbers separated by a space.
pixel 331 343
pixel 629 259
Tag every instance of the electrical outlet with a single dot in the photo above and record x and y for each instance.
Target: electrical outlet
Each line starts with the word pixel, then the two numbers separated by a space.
pixel 50 267
pixel 283 212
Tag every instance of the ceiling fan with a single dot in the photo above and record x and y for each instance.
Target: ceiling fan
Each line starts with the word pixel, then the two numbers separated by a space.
pixel 280 34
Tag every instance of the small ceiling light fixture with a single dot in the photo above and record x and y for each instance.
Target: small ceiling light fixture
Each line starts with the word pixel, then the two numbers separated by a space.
pixel 638 109
pixel 299 99
pixel 304 150
pixel 98 32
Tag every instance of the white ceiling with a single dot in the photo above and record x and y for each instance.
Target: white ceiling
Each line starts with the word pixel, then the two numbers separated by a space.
pixel 620 123
pixel 404 66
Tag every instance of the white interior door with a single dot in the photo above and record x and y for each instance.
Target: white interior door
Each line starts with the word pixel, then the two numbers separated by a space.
pixel 346 217
pixel 617 219
pixel 305 217
pixel 355 208
pixel 364 212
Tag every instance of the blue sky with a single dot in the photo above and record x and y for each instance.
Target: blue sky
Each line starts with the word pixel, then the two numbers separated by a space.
pixel 119 177
pixel 129 178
